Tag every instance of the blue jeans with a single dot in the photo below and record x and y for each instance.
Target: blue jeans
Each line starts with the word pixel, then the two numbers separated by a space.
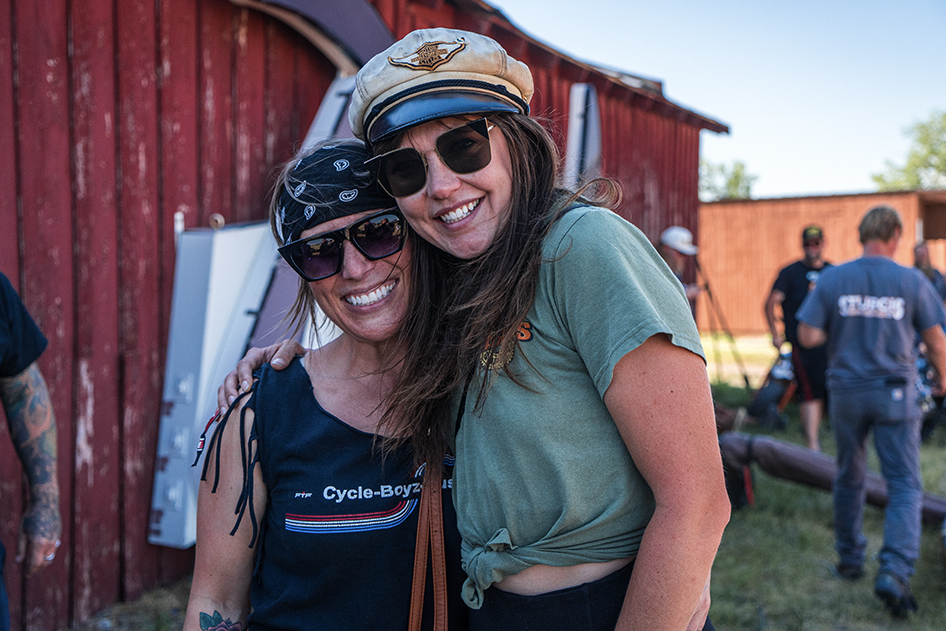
pixel 4 602
pixel 888 409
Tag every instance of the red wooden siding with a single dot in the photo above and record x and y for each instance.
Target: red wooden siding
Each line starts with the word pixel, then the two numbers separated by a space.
pixel 95 539
pixel 161 106
pixel 117 114
pixel 46 267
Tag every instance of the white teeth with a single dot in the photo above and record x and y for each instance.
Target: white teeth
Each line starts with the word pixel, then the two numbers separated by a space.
pixel 370 298
pixel 456 215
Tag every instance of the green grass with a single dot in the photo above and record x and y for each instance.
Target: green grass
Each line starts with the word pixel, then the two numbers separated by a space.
pixel 773 570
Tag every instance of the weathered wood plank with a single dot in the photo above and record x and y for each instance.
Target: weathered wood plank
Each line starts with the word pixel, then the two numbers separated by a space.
pixel 314 76
pixel 180 132
pixel 250 116
pixel 180 113
pixel 282 126
pixel 97 541
pixel 9 234
pixel 216 110
pixel 140 263
pixel 41 33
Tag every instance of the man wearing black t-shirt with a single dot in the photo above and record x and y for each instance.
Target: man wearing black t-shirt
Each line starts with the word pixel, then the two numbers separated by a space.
pixel 790 288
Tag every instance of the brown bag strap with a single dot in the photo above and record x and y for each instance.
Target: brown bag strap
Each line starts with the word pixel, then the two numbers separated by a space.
pixel 429 531
pixel 437 555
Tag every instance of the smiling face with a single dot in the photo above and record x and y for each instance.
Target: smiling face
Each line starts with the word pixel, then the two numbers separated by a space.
pixel 366 299
pixel 458 213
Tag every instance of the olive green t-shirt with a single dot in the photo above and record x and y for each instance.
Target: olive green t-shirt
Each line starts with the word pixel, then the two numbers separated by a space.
pixel 542 474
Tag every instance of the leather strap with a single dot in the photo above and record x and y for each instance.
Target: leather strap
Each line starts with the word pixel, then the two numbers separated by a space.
pixel 429 532
pixel 438 557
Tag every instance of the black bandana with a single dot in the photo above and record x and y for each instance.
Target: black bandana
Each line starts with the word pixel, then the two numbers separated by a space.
pixel 329 183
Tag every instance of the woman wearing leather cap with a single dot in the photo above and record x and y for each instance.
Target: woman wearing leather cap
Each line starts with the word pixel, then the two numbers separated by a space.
pixel 549 344
pixel 301 523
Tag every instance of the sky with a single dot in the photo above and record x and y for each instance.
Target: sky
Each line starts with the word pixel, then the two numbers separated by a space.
pixel 818 95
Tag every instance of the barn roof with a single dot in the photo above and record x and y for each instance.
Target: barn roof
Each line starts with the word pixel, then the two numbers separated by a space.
pixel 349 33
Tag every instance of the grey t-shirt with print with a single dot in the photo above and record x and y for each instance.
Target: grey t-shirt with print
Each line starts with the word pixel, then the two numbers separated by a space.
pixel 871 309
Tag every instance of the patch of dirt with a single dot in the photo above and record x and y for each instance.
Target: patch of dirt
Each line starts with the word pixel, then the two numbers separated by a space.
pixel 157 610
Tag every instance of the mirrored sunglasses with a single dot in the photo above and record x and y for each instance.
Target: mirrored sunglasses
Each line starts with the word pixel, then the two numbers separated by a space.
pixel 320 256
pixel 463 149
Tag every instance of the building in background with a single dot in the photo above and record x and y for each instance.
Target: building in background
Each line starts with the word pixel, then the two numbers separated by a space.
pixel 744 243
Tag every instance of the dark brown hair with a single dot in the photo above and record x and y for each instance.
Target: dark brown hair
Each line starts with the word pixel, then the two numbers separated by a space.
pixel 460 308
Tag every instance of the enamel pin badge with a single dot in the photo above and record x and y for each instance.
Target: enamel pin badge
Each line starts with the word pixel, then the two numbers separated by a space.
pixel 430 55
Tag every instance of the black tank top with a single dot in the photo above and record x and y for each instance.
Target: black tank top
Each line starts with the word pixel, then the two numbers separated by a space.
pixel 337 539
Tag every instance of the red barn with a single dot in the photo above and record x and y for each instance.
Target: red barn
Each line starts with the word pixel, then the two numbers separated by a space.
pixel 117 114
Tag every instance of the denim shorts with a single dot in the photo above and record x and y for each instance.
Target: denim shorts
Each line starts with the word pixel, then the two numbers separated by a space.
pixel 593 606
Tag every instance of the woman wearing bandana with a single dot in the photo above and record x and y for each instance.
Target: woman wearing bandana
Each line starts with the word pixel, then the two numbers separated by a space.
pixel 305 519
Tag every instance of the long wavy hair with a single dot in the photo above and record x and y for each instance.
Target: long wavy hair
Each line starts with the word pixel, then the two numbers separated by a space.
pixel 461 308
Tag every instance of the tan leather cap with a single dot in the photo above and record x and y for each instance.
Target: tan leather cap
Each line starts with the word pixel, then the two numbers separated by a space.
pixel 434 73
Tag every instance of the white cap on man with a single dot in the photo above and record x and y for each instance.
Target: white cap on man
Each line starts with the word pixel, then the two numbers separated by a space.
pixel 680 239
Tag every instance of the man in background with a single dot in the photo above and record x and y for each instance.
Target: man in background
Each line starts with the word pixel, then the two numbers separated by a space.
pixel 871 388
pixel 675 246
pixel 809 364
pixel 32 426
pixel 921 261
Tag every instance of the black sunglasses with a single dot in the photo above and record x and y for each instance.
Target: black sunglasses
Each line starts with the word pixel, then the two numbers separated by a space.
pixel 463 149
pixel 320 256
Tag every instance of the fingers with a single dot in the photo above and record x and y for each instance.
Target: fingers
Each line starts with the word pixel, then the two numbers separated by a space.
pixel 38 552
pixel 286 352
pixel 226 391
pixel 239 380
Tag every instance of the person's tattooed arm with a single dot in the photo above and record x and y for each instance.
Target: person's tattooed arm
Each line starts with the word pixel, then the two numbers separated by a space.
pixel 33 430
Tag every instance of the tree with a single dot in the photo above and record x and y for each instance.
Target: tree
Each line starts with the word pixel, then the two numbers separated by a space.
pixel 926 161
pixel 717 181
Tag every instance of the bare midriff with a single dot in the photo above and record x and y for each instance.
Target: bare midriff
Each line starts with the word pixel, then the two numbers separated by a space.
pixel 541 579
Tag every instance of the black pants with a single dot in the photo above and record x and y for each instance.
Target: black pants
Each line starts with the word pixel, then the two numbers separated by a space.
pixel 593 606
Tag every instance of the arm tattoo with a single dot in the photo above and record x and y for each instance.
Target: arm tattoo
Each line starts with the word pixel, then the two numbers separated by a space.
pixel 217 622
pixel 33 430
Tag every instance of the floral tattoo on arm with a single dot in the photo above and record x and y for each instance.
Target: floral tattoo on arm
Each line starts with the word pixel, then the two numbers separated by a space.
pixel 217 622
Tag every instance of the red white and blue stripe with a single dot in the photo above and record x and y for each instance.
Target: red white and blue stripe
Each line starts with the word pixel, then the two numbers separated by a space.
pixel 332 524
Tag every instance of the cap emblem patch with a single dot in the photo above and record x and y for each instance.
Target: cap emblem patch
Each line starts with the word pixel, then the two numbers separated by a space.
pixel 430 55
